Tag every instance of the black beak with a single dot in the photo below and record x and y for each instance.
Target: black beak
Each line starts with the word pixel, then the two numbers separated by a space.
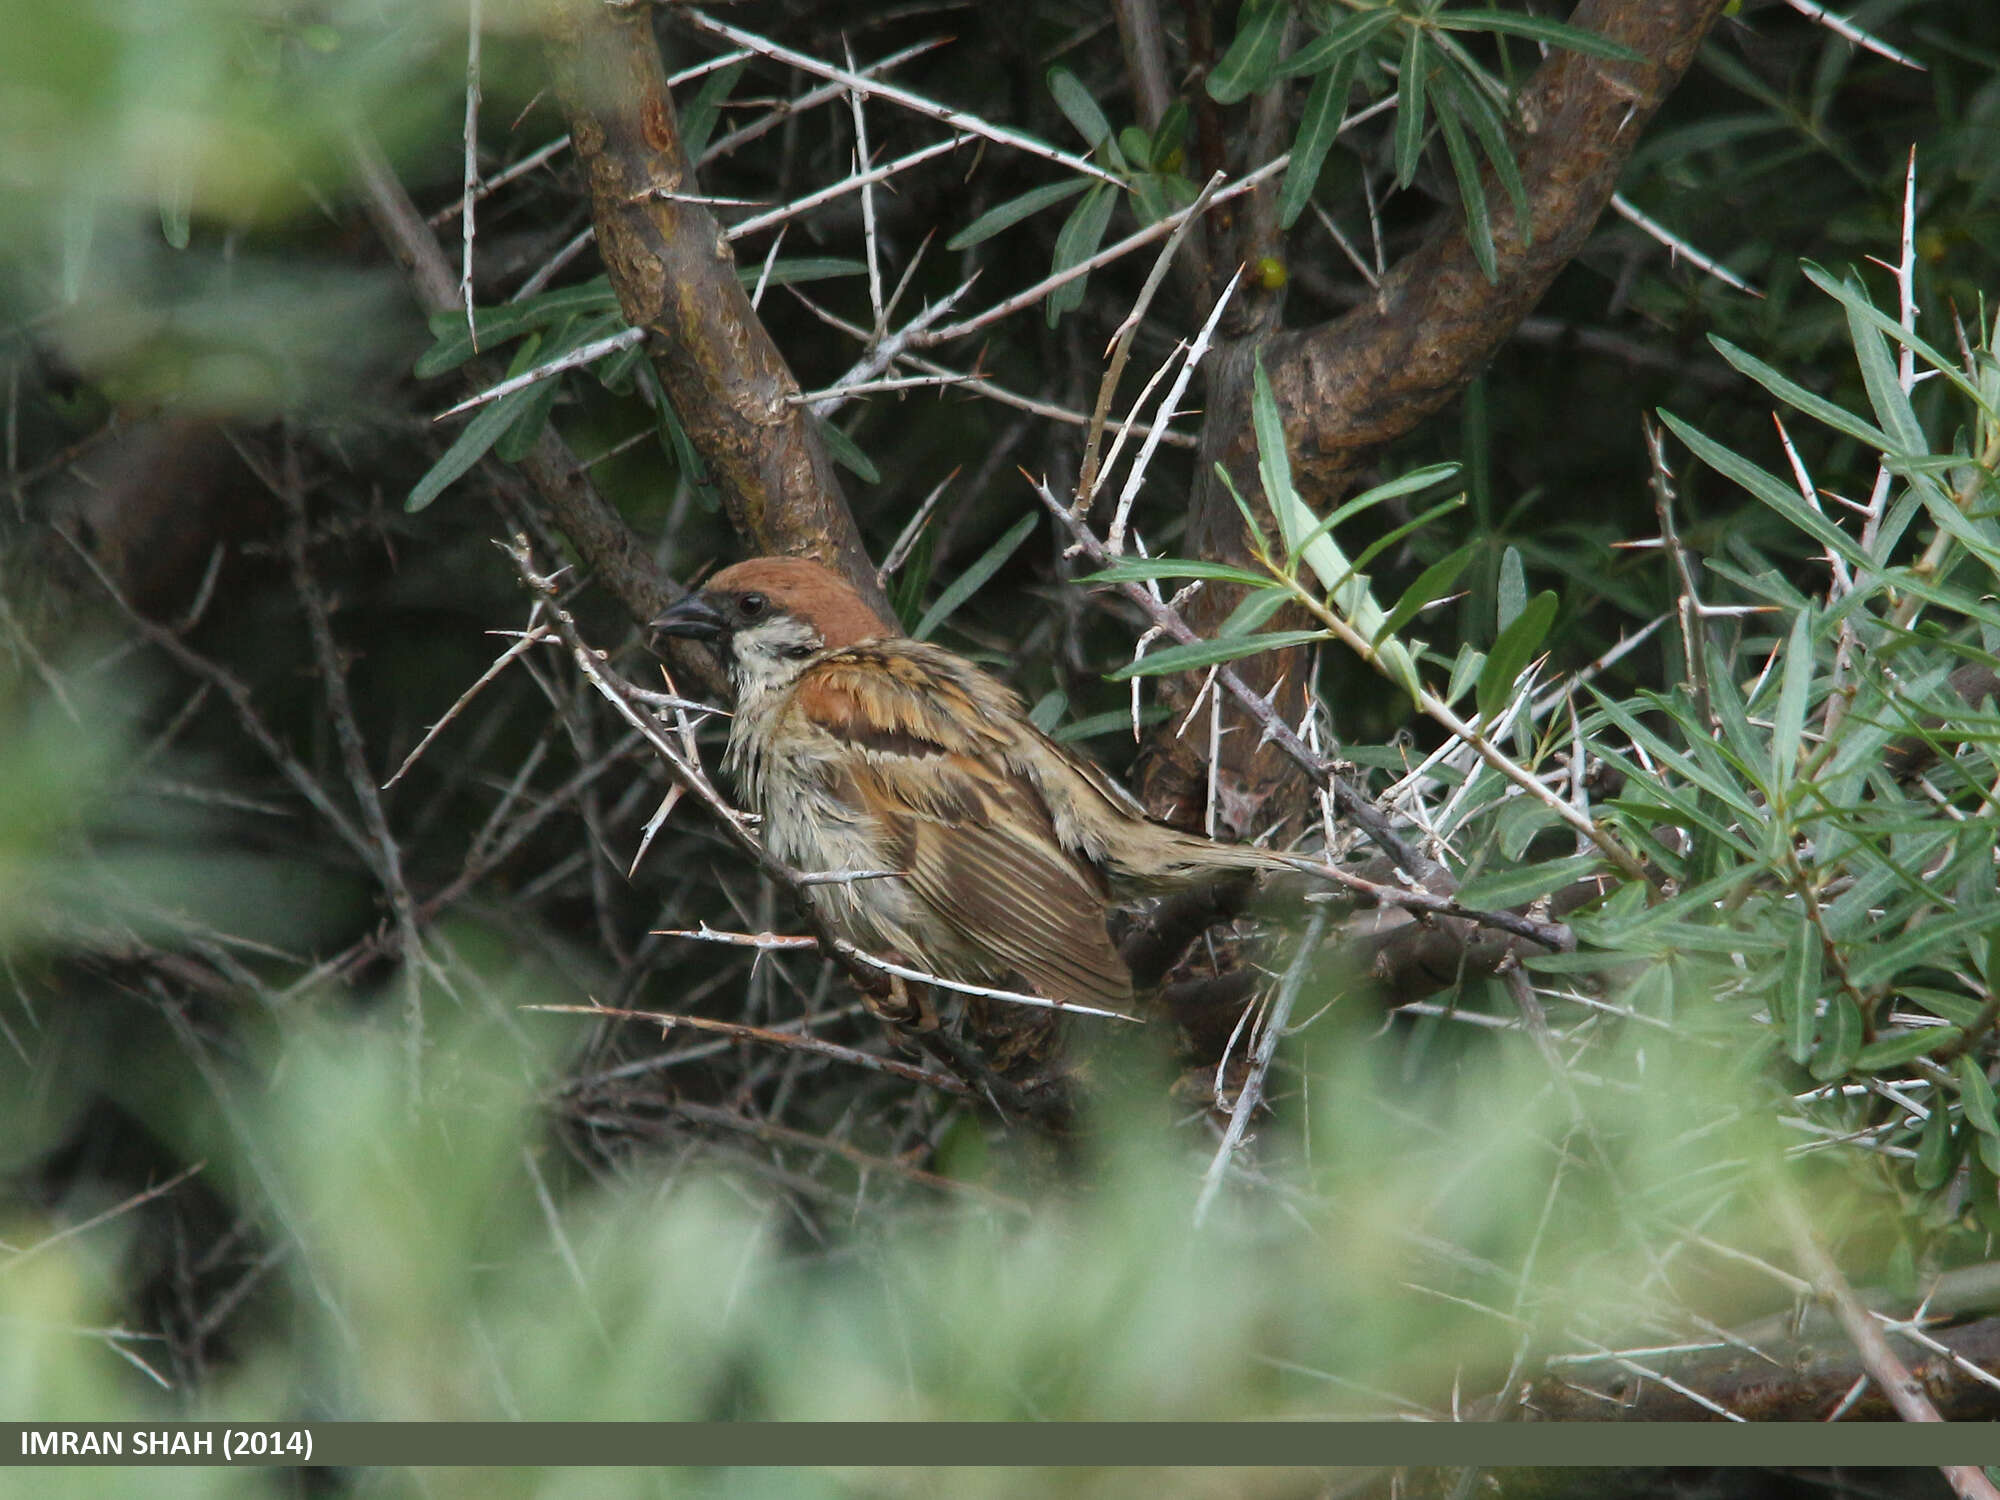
pixel 693 616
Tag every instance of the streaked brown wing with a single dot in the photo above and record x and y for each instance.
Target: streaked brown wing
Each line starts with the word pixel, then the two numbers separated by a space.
pixel 982 855
pixel 978 841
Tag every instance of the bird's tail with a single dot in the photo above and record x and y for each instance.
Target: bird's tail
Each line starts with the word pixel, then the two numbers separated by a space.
pixel 1185 859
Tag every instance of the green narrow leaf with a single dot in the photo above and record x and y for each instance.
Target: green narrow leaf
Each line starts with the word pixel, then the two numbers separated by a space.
pixel 674 438
pixel 1476 110
pixel 1976 1096
pixel 1894 1051
pixel 1840 1038
pixel 1471 191
pixel 1048 710
pixel 1781 497
pixel 1326 106
pixel 1081 234
pixel 1797 396
pixel 1505 888
pixel 1798 990
pixel 1430 586
pixel 1253 56
pixel 1256 608
pixel 618 373
pixel 974 578
pixel 847 453
pixel 1878 375
pixel 698 119
pixel 1137 146
pixel 499 324
pixel 1934 1153
pixel 1788 728
pixel 793 270
pixel 480 434
pixel 1252 527
pixel 1142 569
pixel 1195 654
pixel 1108 723
pixel 1512 590
pixel 1511 653
pixel 1403 484
pixel 1743 747
pixel 1410 108
pixel 1078 107
pixel 1010 213
pixel 1274 463
pixel 1857 303
pixel 519 439
pixel 1392 538
pixel 1306 538
pixel 1893 951
pixel 1465 670
pixel 1555 33
pixel 1337 43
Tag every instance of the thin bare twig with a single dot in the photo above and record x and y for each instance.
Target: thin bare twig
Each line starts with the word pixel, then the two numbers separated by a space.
pixel 867 87
pixel 1276 1020
pixel 797 1041
pixel 530 637
pixel 1121 341
pixel 772 941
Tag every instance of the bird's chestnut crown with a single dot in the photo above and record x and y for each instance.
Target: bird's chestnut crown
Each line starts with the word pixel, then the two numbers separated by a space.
pixel 783 608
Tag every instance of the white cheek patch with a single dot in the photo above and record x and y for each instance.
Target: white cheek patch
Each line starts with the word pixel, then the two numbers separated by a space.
pixel 780 640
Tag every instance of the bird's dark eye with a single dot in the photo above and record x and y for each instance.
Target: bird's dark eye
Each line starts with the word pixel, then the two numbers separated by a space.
pixel 753 605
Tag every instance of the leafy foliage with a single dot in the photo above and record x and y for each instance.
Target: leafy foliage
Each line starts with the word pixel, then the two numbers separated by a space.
pixel 416 1199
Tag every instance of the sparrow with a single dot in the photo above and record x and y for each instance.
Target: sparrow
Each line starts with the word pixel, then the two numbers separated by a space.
pixel 861 749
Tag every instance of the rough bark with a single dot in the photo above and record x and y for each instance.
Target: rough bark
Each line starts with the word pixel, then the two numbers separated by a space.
pixel 675 276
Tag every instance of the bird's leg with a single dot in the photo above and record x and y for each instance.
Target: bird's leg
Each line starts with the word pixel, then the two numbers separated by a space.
pixel 904 1005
